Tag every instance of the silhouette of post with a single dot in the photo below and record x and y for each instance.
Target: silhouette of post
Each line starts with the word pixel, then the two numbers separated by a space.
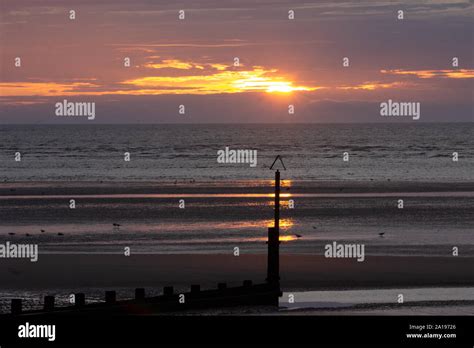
pixel 79 300
pixel 16 306
pixel 273 264
pixel 139 294
pixel 49 303
pixel 110 297
pixel 277 200
pixel 247 283
pixel 168 291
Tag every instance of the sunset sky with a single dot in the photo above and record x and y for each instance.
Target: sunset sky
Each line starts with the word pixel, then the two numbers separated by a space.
pixel 191 61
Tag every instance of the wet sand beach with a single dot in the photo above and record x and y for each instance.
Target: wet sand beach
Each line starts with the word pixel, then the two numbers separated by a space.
pixel 219 216
pixel 81 250
pixel 298 272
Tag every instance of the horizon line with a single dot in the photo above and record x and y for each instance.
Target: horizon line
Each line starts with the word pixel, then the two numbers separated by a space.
pixel 228 123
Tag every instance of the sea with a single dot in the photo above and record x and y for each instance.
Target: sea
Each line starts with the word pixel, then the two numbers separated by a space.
pixel 395 151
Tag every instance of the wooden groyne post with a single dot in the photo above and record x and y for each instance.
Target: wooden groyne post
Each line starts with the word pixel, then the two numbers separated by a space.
pixel 273 263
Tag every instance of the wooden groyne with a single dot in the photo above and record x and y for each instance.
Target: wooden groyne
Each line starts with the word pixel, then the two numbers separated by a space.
pixel 246 295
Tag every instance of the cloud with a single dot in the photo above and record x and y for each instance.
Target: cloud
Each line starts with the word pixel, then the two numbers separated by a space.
pixel 224 80
pixel 428 74
pixel 172 64
pixel 213 78
pixel 370 86
pixel 17 89
pixel 146 47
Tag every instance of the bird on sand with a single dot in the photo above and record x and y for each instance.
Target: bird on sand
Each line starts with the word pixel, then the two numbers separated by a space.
pixel 60 234
pixel 28 235
pixel 42 231
pixel 298 235
pixel 314 227
pixel 11 233
pixel 381 234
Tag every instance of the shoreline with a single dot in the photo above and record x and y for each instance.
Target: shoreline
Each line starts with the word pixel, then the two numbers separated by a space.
pixel 342 188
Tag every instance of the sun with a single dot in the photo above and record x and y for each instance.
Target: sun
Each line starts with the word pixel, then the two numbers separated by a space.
pixel 280 87
pixel 285 87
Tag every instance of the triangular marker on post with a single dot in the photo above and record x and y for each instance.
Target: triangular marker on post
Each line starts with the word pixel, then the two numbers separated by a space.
pixel 281 160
